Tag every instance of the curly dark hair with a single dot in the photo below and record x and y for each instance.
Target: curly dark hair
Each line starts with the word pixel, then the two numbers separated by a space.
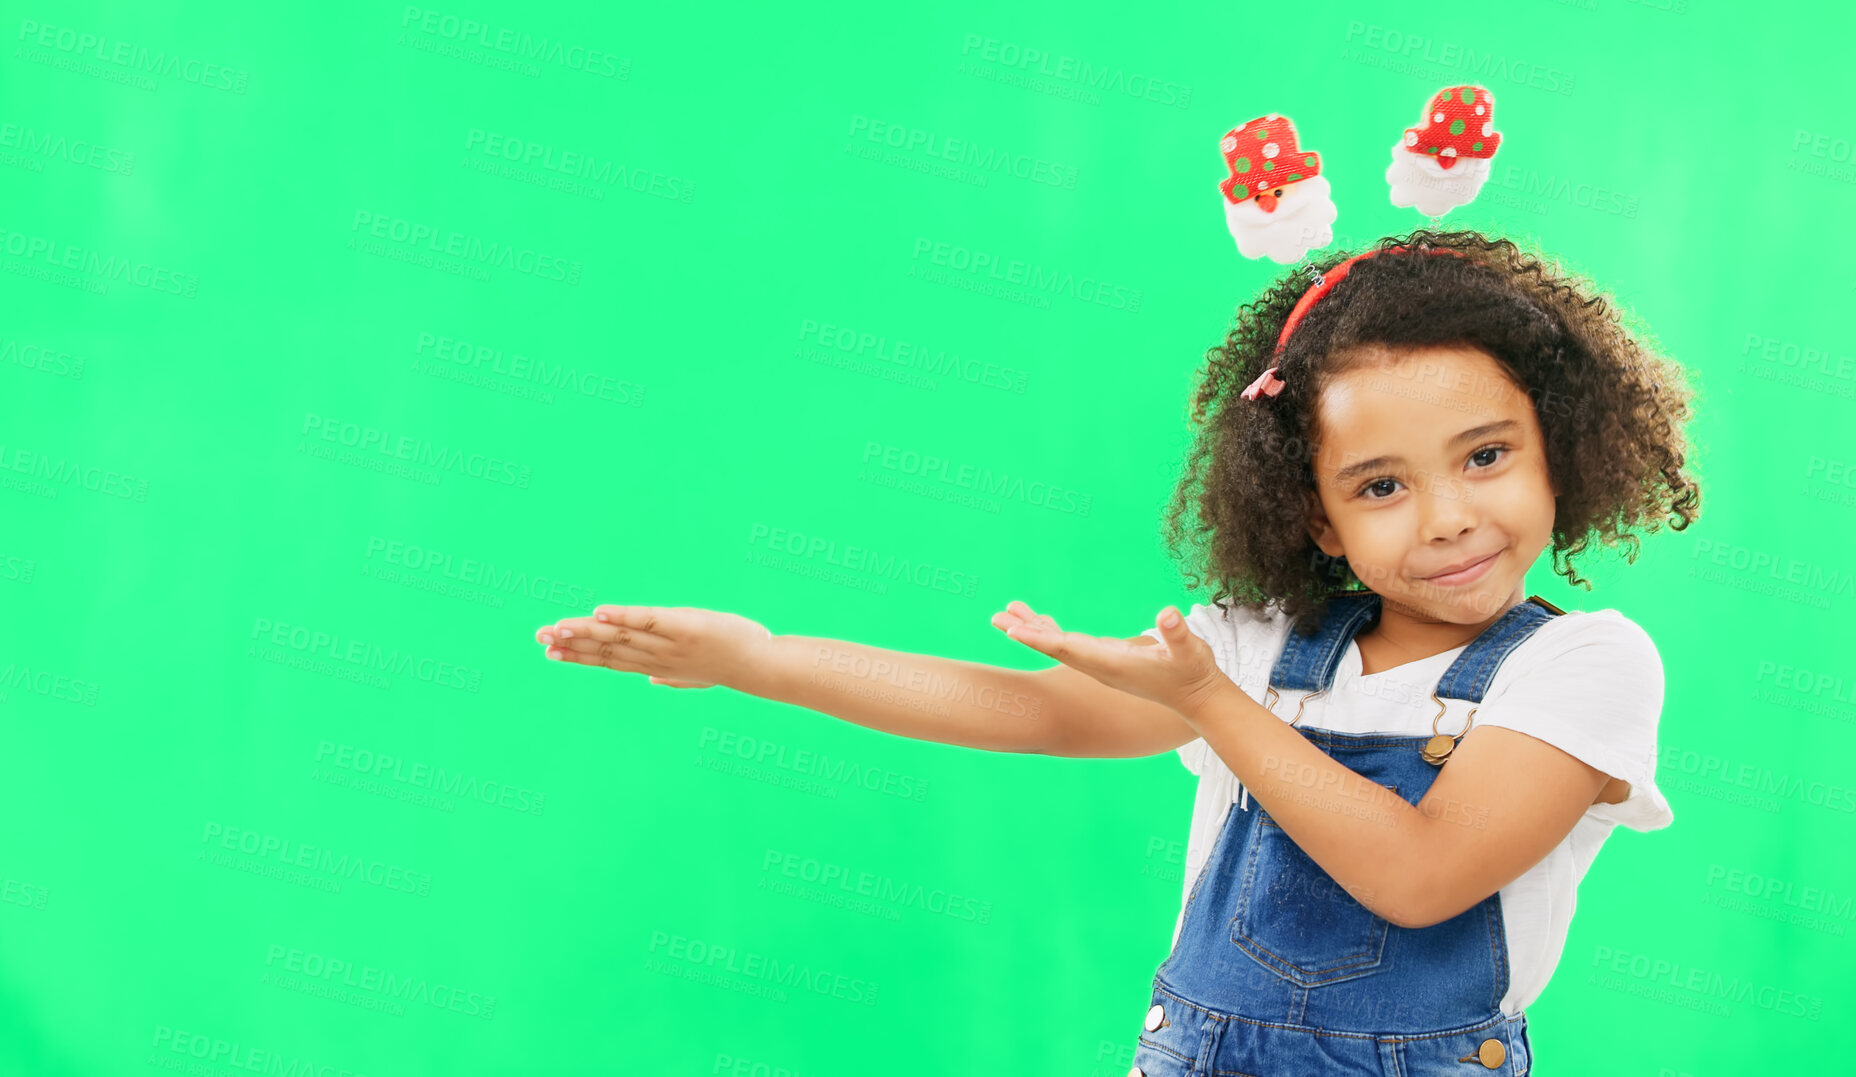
pixel 1611 410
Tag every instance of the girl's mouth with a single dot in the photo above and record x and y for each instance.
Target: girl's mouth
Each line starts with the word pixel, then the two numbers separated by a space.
pixel 1466 575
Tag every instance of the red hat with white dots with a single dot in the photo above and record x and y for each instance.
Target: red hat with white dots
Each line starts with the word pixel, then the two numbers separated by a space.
pixel 1262 154
pixel 1460 122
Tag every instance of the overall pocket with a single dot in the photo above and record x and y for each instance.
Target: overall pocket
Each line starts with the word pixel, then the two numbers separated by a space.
pixel 1295 920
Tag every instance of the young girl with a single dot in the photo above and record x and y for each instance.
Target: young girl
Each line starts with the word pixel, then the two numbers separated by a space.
pixel 1405 763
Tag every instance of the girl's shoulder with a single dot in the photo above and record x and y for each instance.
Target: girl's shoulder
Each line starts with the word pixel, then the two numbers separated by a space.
pixel 1591 684
pixel 1607 633
pixel 1585 662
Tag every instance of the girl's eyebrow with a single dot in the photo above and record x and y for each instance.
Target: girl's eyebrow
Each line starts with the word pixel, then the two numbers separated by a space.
pixel 1378 462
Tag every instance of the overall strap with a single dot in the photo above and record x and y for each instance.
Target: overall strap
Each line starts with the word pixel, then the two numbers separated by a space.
pixel 1469 676
pixel 1308 663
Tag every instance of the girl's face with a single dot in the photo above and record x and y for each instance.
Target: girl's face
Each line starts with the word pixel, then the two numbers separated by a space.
pixel 1427 462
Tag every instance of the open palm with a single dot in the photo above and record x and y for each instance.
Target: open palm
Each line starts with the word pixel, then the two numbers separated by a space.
pixel 1177 670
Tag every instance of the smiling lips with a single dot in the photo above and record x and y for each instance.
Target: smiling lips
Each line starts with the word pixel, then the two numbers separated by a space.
pixel 1466 572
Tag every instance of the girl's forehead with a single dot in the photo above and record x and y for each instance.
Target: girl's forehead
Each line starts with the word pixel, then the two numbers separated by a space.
pixel 1432 362
pixel 1417 397
pixel 1392 381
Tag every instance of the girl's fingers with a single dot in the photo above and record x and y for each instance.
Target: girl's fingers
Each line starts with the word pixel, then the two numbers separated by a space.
pixel 605 651
pixel 635 620
pixel 570 628
pixel 1039 637
pixel 591 658
pixel 1078 649
pixel 1016 613
pixel 643 618
pixel 1061 647
pixel 1027 613
pixel 1006 620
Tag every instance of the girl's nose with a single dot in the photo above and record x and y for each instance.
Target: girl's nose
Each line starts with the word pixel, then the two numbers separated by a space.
pixel 1446 511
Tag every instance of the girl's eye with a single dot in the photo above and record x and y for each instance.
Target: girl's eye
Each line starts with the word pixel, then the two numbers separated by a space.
pixel 1479 454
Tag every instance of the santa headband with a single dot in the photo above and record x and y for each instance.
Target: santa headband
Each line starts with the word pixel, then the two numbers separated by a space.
pixel 1267 383
pixel 1278 205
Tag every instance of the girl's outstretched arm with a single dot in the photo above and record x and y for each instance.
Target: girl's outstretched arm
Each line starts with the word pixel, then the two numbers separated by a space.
pixel 923 696
pixel 1054 711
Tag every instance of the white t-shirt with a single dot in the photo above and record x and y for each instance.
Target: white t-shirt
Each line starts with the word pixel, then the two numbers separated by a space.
pixel 1589 683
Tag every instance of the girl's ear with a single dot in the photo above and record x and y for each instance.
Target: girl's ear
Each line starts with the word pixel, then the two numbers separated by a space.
pixel 1321 529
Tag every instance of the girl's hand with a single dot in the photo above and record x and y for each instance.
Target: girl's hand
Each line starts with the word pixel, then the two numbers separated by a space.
pixel 673 645
pixel 1178 670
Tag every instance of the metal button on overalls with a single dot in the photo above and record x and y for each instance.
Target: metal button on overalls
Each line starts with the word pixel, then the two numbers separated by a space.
pixel 1277 969
pixel 1490 1053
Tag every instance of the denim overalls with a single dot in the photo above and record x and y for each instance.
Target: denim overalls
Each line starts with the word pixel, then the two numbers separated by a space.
pixel 1278 972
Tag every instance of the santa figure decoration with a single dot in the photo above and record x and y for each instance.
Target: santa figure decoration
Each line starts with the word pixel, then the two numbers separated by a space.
pixel 1442 163
pixel 1276 202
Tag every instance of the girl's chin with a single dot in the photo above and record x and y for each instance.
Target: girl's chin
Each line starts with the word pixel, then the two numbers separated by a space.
pixel 1470 603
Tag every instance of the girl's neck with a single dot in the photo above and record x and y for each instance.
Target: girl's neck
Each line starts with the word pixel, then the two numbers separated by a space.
pixel 1401 634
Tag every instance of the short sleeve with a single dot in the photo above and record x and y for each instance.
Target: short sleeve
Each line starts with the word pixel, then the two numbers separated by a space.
pixel 1594 690
pixel 1220 633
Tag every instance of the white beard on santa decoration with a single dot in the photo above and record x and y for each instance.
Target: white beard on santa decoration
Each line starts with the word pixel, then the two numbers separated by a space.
pixel 1418 180
pixel 1301 221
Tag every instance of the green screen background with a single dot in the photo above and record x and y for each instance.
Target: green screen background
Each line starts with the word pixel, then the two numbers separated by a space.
pixel 219 619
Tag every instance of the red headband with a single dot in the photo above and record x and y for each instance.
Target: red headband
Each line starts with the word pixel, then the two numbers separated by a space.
pixel 1267 383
